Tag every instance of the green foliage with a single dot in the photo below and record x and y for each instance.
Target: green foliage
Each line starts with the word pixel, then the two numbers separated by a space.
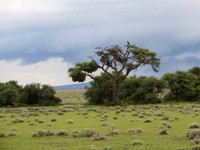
pixel 11 94
pixel 79 72
pixel 101 91
pixel 183 86
pixel 141 90
pixel 133 90
pixel 195 71
pixel 178 86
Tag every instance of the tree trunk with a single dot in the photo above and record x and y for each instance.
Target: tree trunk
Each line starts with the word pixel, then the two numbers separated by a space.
pixel 116 92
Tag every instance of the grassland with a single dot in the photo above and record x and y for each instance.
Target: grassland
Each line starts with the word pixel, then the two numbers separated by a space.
pixel 82 127
pixel 71 96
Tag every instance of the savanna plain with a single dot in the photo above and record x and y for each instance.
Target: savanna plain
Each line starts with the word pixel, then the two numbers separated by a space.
pixel 74 125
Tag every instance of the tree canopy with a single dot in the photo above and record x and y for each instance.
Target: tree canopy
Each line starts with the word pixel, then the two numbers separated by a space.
pixel 12 94
pixel 117 63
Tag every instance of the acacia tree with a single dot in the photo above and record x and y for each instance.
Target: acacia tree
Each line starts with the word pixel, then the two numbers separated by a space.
pixel 117 63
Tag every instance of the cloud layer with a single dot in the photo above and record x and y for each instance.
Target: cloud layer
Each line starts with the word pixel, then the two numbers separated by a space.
pixel 37 31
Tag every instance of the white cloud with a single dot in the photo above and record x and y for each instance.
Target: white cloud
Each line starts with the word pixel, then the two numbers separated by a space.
pixel 53 72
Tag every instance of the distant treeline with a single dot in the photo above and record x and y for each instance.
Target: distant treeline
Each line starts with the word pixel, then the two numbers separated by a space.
pixel 12 94
pixel 178 86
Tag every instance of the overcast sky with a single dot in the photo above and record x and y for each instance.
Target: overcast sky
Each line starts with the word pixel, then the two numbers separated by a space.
pixel 41 39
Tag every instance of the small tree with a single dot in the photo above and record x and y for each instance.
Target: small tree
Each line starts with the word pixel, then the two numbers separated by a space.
pixel 9 93
pixel 182 85
pixel 141 90
pixel 117 63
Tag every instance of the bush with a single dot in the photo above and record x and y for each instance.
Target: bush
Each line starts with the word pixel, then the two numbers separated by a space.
pixel 136 142
pixel 62 133
pixel 163 130
pixel 101 91
pixel 196 147
pixel 42 133
pixel 13 94
pixel 11 134
pixel 194 126
pixel 98 137
pixel 141 90
pixel 192 134
pixel 2 134
pixel 17 121
pixel 183 86
pixel 10 92
pixel 33 94
pixel 112 130
pixel 135 131
pixel 75 133
pixel 88 133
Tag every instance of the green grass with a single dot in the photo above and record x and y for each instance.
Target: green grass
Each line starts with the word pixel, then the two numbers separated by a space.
pixel 71 96
pixel 99 119
pixel 78 116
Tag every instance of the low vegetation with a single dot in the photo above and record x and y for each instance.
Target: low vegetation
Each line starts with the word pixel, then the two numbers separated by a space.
pixel 138 127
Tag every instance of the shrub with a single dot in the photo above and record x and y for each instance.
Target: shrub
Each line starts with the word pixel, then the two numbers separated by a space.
pixel 138 130
pixel 101 91
pixel 165 118
pixel 2 134
pixel 183 86
pixel 136 142
pixel 88 133
pixel 11 134
pixel 13 94
pixel 147 121
pixel 163 130
pixel 98 137
pixel 70 121
pixel 40 121
pixel 135 131
pixel 115 117
pixel 160 114
pixel 112 130
pixel 75 133
pixel 131 131
pixel 62 133
pixel 182 148
pixel 17 121
pixel 192 134
pixel 164 124
pixel 107 148
pixel 60 113
pixel 196 147
pixel 194 126
pixel 105 124
pixel 53 120
pixel 42 133
pixel 142 90
pixel 196 141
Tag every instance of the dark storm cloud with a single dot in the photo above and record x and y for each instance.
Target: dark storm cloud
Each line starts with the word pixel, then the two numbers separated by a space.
pixel 36 30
